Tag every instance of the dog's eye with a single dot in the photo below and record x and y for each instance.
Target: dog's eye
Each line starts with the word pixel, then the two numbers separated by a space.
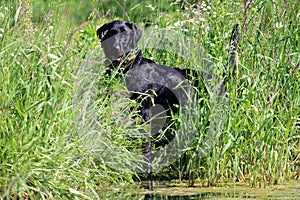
pixel 111 33
pixel 122 29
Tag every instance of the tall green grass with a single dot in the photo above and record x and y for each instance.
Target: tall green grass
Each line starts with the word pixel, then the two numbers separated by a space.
pixel 42 154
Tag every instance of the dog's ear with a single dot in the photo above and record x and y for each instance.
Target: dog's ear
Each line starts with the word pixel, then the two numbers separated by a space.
pixel 101 32
pixel 137 33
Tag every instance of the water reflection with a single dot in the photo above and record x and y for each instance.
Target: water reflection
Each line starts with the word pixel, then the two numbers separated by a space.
pixel 207 195
pixel 237 191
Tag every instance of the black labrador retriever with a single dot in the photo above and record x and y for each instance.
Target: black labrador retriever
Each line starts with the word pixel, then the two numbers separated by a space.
pixel 162 86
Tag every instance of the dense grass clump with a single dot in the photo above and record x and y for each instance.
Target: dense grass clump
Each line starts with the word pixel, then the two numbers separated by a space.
pixel 47 55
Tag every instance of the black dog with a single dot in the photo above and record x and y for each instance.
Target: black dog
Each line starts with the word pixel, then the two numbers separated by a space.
pixel 157 83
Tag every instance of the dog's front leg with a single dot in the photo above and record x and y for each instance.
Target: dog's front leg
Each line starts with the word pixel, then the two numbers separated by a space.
pixel 146 114
pixel 149 161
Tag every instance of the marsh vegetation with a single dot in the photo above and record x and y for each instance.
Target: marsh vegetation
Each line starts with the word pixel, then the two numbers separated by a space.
pixel 43 46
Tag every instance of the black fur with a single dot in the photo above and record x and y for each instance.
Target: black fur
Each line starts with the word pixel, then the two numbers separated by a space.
pixel 142 76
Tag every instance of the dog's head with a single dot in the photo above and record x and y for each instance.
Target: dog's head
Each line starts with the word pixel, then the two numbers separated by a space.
pixel 118 38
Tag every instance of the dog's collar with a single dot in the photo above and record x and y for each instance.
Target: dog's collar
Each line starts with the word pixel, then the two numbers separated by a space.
pixel 132 58
pixel 131 55
pixel 125 63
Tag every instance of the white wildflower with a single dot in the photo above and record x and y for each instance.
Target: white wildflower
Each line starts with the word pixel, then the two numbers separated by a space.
pixel 1 30
pixel 196 12
pixel 214 14
pixel 279 25
pixel 177 24
pixel 226 35
pixel 1 15
pixel 202 19
pixel 52 56
pixel 192 20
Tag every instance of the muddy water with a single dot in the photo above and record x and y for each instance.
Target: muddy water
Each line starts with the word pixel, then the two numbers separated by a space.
pixel 290 190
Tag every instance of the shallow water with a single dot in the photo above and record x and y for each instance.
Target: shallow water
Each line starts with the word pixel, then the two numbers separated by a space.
pixel 290 190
